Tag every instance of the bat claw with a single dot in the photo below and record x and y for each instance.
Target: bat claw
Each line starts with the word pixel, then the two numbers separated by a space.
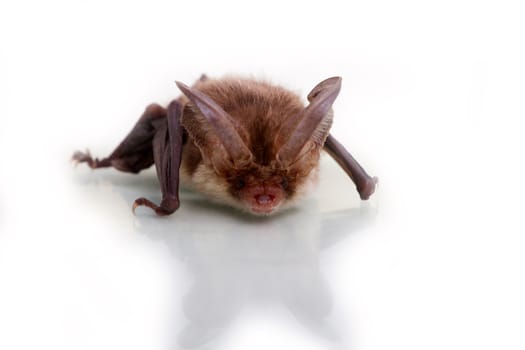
pixel 143 202
pixel 85 157
pixel 82 157
pixel 135 205
pixel 159 210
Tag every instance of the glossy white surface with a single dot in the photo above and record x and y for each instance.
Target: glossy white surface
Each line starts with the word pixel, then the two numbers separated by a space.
pixel 432 103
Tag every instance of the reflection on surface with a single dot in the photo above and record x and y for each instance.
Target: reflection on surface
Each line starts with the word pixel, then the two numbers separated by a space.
pixel 235 260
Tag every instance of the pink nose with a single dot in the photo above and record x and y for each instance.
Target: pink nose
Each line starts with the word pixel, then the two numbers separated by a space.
pixel 264 199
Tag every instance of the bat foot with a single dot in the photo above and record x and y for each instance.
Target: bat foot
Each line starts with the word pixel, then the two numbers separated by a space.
pixel 367 188
pixel 166 207
pixel 85 157
pixel 81 157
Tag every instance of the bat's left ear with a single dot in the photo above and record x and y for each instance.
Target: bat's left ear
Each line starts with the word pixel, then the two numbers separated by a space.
pixel 314 122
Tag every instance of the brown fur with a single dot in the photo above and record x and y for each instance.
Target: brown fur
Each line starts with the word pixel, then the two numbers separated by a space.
pixel 258 109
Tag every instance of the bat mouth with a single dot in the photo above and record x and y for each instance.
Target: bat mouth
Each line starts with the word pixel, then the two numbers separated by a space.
pixel 263 210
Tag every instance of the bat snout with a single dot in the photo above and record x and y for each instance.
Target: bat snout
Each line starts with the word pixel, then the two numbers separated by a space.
pixel 263 199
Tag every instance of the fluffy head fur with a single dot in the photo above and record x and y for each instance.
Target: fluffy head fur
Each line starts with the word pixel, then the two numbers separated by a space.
pixel 265 117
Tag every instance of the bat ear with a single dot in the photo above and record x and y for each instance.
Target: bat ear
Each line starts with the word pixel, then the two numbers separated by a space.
pixel 333 83
pixel 220 123
pixel 314 122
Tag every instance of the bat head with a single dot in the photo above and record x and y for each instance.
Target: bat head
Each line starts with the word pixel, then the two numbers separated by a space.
pixel 256 146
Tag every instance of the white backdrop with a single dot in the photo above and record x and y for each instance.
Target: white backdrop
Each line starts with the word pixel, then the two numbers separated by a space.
pixel 432 103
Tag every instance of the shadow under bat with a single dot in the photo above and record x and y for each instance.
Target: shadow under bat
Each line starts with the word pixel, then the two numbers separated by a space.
pixel 237 260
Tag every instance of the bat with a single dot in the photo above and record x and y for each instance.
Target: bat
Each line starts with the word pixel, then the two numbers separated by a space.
pixel 242 142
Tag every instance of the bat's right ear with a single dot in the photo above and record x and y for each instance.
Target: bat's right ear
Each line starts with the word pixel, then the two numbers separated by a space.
pixel 213 120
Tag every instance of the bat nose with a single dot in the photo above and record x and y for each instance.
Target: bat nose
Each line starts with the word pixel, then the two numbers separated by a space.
pixel 264 199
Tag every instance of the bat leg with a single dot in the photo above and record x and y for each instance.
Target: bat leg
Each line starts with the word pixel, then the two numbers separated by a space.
pixel 135 152
pixel 365 184
pixel 167 154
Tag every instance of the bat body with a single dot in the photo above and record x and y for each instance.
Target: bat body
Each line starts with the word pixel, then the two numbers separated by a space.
pixel 242 142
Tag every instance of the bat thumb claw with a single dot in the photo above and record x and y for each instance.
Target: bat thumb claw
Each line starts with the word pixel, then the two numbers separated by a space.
pixel 135 205
pixel 147 203
pixel 142 202
pixel 77 157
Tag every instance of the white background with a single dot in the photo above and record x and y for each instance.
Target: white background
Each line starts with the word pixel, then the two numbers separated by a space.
pixel 432 103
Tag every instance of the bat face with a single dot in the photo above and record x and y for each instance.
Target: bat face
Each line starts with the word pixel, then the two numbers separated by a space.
pixel 253 145
pixel 258 189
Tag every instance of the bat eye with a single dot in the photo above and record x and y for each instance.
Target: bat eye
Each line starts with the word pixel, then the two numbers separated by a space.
pixel 239 184
pixel 284 183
